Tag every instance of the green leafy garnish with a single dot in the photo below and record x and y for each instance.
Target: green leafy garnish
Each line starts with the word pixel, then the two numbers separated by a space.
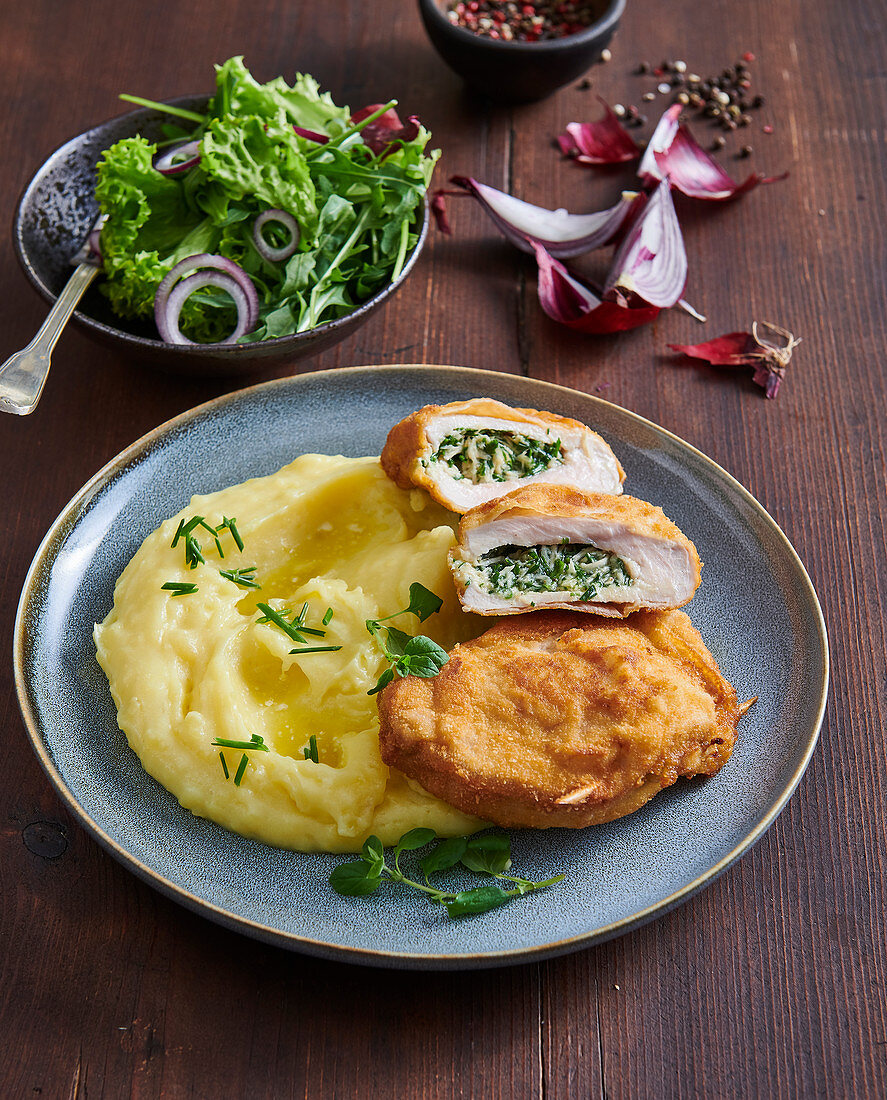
pixel 358 207
pixel 419 656
pixel 310 750
pixel 179 588
pixel 489 854
pixel 327 617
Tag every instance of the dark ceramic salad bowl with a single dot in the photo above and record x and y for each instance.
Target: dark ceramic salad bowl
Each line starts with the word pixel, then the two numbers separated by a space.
pixel 58 209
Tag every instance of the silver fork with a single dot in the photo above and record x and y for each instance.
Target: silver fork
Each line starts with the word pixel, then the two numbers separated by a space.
pixel 23 375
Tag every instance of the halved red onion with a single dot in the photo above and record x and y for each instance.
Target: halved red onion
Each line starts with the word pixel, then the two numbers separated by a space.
pixel 179 158
pixel 384 131
pixel 651 262
pixel 167 309
pixel 674 152
pixel 603 142
pixel 279 217
pixel 574 302
pixel 562 234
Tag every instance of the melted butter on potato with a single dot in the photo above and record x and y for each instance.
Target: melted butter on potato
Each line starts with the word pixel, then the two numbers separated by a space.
pixel 185 670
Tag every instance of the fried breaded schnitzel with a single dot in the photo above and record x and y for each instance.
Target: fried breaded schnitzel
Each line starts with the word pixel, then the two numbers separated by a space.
pixel 561 718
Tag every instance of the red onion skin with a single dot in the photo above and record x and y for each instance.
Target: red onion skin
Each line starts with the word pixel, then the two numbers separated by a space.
pixel 730 350
pixel 605 141
pixel 569 300
pixel 311 135
pixel 673 152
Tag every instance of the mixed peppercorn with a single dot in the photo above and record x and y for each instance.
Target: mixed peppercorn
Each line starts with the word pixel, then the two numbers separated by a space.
pixel 726 98
pixel 516 21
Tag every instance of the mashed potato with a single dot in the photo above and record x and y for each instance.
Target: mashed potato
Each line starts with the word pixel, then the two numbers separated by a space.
pixel 186 670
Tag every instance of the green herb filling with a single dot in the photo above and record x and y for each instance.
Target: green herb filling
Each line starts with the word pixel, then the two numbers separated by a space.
pixel 580 571
pixel 482 455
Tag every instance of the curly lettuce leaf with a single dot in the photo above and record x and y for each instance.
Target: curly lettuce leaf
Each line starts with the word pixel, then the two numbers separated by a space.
pixel 258 159
pixel 302 104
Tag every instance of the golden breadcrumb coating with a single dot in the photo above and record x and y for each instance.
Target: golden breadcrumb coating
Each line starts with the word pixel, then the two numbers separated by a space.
pixel 563 719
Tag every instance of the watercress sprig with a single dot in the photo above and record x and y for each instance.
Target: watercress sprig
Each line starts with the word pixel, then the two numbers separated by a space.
pixel 419 656
pixel 488 854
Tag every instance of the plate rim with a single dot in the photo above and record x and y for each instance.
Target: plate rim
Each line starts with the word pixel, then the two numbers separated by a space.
pixel 340 952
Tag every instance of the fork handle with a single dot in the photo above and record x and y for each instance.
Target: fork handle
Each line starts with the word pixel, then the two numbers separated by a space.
pixel 22 375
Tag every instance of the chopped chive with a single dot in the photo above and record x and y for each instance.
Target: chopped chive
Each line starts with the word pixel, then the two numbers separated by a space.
pixel 317 649
pixel 241 577
pixel 193 555
pixel 179 588
pixel 177 535
pixel 300 618
pixel 215 536
pixel 310 750
pixel 231 524
pixel 277 619
pixel 264 619
pixel 325 621
pixel 241 768
pixel 224 765
pixel 312 630
pixel 255 742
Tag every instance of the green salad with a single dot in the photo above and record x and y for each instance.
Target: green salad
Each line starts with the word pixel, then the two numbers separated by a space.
pixel 296 210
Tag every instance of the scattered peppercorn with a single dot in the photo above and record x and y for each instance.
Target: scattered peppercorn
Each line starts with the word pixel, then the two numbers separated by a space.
pixel 524 20
pixel 724 98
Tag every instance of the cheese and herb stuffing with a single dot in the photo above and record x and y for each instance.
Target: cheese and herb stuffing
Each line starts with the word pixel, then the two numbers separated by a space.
pixel 485 455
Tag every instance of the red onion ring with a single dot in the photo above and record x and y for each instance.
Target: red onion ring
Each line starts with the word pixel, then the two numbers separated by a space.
pixel 267 251
pixel 167 308
pixel 165 163
pixel 168 317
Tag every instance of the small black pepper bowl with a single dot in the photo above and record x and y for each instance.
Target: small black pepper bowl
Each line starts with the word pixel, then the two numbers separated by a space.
pixel 519 72
pixel 56 212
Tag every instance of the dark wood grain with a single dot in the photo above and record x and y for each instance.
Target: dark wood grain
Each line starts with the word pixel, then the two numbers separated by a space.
pixel 773 981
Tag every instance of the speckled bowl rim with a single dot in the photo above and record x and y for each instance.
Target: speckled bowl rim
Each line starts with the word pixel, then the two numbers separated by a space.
pixel 472 377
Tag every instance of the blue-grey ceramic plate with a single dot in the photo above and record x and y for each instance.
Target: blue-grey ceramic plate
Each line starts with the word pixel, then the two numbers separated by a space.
pixel 768 638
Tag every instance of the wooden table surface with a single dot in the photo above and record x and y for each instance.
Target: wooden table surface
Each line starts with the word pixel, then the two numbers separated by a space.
pixel 773 981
